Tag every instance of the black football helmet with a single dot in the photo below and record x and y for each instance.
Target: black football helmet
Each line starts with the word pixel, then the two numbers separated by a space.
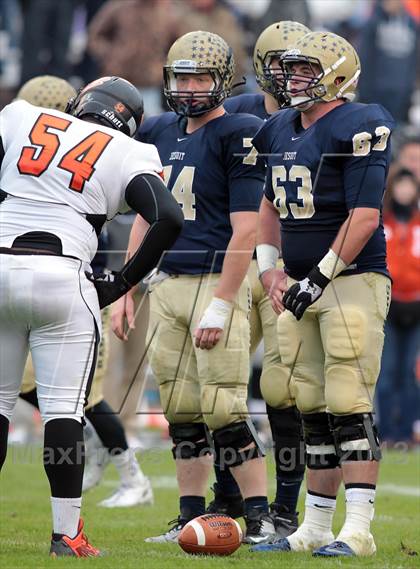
pixel 112 101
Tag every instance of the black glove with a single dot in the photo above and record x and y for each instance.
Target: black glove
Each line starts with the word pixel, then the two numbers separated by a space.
pixel 305 292
pixel 109 286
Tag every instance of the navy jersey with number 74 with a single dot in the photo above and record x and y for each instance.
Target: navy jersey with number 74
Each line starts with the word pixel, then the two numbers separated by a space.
pixel 212 172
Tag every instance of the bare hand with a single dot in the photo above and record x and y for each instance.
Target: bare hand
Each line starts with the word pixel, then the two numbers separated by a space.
pixel 274 282
pixel 207 338
pixel 123 312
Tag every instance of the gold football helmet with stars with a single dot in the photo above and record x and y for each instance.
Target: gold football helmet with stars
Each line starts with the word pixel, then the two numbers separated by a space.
pixel 47 91
pixel 270 45
pixel 198 53
pixel 332 69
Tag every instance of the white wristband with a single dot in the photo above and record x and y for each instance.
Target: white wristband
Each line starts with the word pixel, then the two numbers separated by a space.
pixel 216 314
pixel 267 257
pixel 331 265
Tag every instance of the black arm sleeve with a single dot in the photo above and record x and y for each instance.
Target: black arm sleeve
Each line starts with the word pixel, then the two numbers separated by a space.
pixel 148 196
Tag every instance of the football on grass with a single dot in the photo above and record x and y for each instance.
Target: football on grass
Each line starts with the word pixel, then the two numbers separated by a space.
pixel 211 534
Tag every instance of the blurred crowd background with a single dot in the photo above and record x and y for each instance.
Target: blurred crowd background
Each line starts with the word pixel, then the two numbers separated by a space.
pixel 80 40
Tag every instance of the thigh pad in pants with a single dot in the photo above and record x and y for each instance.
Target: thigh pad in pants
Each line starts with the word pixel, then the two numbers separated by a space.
pixel 352 314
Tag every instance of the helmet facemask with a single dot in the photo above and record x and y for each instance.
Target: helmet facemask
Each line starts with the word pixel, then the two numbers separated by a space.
pixel 310 87
pixel 269 47
pixel 321 84
pixel 273 82
pixel 194 103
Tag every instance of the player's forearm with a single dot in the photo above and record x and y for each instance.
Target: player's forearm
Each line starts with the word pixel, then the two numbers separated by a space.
pixel 355 233
pixel 147 195
pixel 137 233
pixel 268 224
pixel 235 265
pixel 268 237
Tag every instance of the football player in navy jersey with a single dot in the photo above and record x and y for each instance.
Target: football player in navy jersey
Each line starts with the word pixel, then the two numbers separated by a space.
pixel 269 47
pixel 282 413
pixel 200 297
pixel 327 163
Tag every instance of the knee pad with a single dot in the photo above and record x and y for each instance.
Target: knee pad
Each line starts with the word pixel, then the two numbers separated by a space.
pixel 180 402
pixel 286 429
pixel 356 437
pixel 221 403
pixel 275 385
pixel 191 440
pixel 343 388
pixel 319 441
pixel 350 372
pixel 230 440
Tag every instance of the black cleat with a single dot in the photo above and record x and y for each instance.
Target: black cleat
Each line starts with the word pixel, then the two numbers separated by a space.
pixel 259 527
pixel 232 506
pixel 284 521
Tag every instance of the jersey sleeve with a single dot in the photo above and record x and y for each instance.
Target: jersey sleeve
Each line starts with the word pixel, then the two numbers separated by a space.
pixel 142 159
pixel 261 142
pixel 152 127
pixel 367 151
pixel 10 118
pixel 245 169
pixel 145 131
pixel 232 105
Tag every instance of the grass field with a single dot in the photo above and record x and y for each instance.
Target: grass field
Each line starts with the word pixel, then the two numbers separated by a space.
pixel 25 522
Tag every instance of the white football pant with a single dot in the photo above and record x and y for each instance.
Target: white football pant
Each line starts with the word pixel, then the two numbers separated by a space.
pixel 47 306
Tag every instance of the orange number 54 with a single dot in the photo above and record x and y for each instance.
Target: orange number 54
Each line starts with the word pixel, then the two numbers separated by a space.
pixel 79 161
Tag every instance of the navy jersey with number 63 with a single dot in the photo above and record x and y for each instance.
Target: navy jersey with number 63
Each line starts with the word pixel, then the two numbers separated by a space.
pixel 315 176
pixel 212 172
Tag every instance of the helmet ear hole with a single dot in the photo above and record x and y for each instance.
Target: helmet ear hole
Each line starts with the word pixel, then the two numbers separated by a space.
pixel 320 90
pixel 339 80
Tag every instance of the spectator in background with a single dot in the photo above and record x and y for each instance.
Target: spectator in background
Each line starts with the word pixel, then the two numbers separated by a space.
pixel 398 392
pixel 217 17
pixel 285 10
pixel 47 26
pixel 85 67
pixel 409 156
pixel 9 40
pixel 388 54
pixel 131 39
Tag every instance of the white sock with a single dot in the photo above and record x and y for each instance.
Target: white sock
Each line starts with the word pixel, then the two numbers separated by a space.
pixel 66 515
pixel 319 512
pixel 316 529
pixel 359 510
pixel 127 466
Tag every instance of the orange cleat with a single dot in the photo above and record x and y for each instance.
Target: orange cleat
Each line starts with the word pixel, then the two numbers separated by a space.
pixel 76 547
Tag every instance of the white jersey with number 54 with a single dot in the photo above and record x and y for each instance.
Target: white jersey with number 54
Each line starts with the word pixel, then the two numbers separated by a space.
pixel 58 169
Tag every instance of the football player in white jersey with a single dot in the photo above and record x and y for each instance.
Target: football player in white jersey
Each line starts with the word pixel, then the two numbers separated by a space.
pixel 104 435
pixel 61 178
